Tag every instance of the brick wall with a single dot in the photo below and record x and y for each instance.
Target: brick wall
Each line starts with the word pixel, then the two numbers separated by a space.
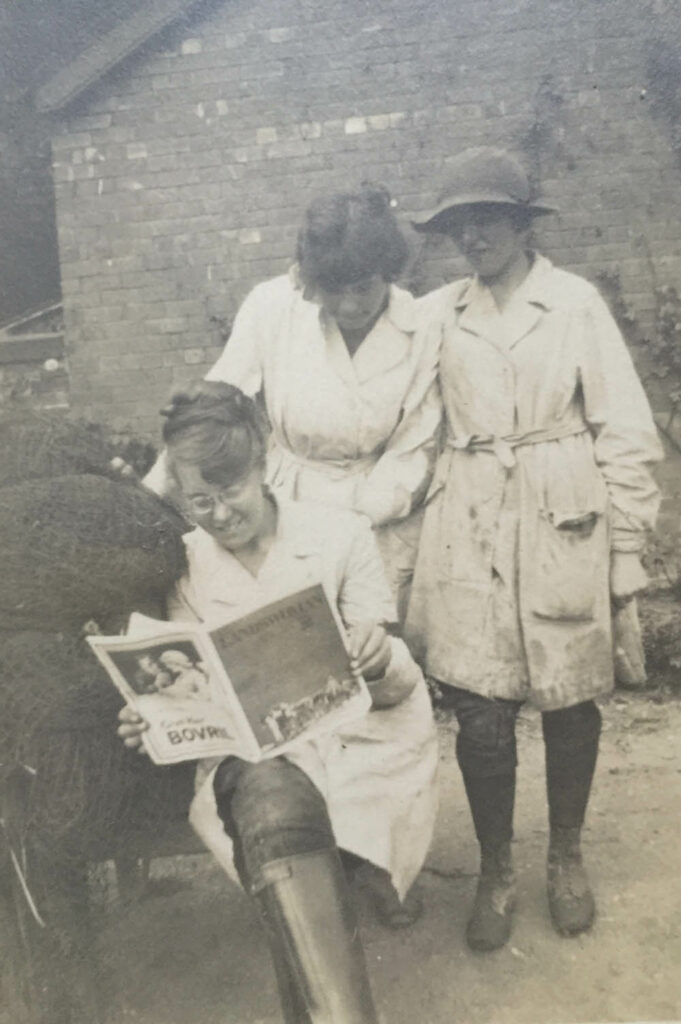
pixel 181 177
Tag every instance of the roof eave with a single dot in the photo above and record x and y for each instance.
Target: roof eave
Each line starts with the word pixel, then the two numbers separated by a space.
pixel 103 56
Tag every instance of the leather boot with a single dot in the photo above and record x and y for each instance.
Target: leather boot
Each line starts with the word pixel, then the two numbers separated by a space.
pixel 571 901
pixel 307 909
pixel 571 736
pixel 489 926
pixel 491 801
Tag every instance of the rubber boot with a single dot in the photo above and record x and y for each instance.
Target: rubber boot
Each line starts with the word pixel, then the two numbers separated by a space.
pixel 571 737
pixel 491 801
pixel 293 1008
pixel 307 909
pixel 571 901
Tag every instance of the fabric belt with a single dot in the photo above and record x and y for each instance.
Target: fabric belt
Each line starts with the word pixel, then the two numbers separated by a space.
pixel 504 447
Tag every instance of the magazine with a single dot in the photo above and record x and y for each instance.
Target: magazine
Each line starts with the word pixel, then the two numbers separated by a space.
pixel 251 687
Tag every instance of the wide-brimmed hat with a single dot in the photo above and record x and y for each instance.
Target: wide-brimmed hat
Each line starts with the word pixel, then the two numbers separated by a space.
pixel 482 175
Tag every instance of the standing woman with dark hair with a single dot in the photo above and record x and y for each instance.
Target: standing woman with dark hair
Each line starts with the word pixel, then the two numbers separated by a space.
pixel 369 787
pixel 347 369
pixel 533 525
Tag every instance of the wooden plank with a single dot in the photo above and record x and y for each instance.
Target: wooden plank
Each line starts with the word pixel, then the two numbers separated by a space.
pixel 17 326
pixel 175 839
pixel 110 50
pixel 31 348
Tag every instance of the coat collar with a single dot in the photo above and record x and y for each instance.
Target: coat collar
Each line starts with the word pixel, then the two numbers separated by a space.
pixel 221 589
pixel 387 344
pixel 402 309
pixel 538 288
pixel 478 313
pixel 211 560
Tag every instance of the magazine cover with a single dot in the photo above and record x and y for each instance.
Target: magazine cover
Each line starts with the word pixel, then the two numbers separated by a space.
pixel 250 688
pixel 173 682
pixel 289 667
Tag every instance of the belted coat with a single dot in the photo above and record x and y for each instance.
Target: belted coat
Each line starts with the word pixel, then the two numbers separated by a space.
pixel 355 432
pixel 545 469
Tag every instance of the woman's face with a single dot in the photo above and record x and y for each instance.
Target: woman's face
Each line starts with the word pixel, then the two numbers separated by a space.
pixel 175 661
pixel 489 237
pixel 235 515
pixel 355 306
pixel 163 680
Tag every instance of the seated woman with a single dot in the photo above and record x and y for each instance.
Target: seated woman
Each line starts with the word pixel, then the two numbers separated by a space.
pixel 370 789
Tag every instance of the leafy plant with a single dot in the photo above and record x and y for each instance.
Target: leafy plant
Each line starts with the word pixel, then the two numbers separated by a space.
pixel 659 344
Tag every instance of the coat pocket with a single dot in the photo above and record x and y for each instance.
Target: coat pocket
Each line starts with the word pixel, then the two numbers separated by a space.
pixel 567 559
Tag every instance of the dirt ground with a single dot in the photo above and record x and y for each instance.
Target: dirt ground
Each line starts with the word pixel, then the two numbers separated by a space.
pixel 191 951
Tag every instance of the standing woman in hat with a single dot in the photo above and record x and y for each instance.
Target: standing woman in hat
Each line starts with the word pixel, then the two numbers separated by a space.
pixel 533 526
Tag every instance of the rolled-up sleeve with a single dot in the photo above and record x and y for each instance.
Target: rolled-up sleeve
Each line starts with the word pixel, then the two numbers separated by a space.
pixel 626 443
pixel 365 596
pixel 241 362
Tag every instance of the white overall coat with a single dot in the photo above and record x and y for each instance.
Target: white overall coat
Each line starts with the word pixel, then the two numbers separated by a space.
pixel 378 776
pixel 545 470
pixel 356 432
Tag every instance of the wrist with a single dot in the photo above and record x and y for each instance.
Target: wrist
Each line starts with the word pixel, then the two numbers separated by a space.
pixel 627 576
pixel 377 675
pixel 391 690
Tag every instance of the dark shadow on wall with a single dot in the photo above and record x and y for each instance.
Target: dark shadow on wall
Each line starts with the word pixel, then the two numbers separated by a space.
pixel 36 37
pixel 663 82
pixel 29 264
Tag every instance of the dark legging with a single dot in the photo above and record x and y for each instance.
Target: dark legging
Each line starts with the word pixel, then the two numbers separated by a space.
pixel 270 810
pixel 487 755
pixel 285 854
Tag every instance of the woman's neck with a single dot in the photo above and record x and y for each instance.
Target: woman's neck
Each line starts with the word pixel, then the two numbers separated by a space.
pixel 503 285
pixel 353 339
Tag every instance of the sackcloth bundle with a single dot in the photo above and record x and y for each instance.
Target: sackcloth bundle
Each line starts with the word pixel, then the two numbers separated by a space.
pixel 75 548
pixel 78 545
pixel 91 798
pixel 35 446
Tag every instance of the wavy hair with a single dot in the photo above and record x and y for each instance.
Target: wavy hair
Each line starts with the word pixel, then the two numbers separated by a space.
pixel 216 427
pixel 347 237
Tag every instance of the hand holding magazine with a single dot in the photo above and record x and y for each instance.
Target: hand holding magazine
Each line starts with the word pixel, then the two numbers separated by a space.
pixel 249 688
